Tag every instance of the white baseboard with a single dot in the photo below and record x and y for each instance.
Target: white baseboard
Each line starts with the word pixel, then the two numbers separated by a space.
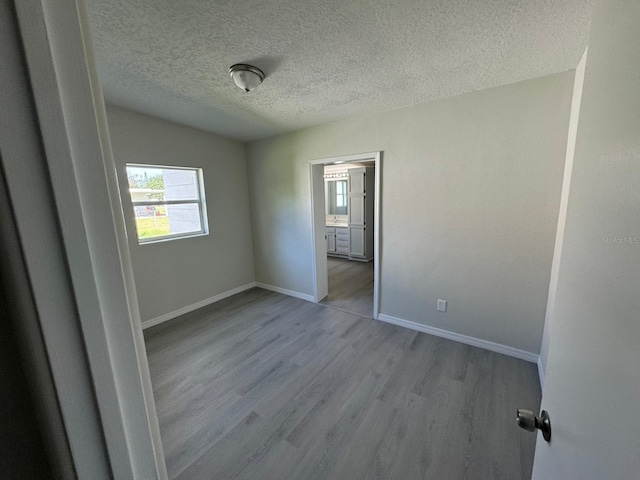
pixel 541 373
pixel 284 291
pixel 195 306
pixel 458 337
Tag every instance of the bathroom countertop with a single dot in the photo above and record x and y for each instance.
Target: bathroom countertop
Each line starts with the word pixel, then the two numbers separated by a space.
pixel 337 224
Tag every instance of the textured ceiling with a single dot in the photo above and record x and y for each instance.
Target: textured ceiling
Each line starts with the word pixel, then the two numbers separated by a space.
pixel 324 59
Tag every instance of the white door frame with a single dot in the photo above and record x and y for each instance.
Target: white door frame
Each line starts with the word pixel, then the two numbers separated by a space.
pixel 88 248
pixel 318 228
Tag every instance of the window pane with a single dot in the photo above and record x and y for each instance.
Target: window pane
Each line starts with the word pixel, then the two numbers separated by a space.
pixel 153 183
pixel 145 184
pixel 180 184
pixel 162 220
pixel 151 221
pixel 184 218
pixel 341 195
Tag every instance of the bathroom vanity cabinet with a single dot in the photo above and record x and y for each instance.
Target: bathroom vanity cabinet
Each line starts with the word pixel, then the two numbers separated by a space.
pixel 352 239
pixel 338 241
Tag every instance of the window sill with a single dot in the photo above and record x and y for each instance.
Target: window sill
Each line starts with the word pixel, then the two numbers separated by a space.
pixel 172 237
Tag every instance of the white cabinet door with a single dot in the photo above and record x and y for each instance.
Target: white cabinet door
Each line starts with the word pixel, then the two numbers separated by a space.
pixel 356 210
pixel 331 243
pixel 356 242
pixel 356 180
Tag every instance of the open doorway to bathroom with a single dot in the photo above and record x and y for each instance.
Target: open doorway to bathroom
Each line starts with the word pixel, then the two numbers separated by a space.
pixel 346 222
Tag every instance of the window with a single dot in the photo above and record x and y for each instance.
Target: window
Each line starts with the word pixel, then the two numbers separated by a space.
pixel 168 202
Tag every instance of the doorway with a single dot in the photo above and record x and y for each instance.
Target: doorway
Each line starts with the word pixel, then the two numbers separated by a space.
pixel 347 269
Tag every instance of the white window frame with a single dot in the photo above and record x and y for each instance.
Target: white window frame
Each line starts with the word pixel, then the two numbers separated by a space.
pixel 201 201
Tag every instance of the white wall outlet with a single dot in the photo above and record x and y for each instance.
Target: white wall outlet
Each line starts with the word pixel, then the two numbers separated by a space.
pixel 442 305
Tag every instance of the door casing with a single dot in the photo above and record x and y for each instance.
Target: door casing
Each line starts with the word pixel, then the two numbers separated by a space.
pixel 318 228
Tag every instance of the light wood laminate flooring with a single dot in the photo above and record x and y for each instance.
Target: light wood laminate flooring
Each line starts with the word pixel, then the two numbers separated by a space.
pixel 350 286
pixel 264 386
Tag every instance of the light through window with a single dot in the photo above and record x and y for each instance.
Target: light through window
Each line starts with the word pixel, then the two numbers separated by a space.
pixel 168 202
pixel 341 194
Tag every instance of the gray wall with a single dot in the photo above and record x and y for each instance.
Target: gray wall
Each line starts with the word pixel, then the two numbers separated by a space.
pixel 175 274
pixel 592 387
pixel 470 196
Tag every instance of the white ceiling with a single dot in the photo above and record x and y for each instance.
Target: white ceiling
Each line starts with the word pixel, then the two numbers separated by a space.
pixel 324 59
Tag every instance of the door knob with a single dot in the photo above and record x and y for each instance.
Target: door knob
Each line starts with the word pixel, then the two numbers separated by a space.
pixel 526 419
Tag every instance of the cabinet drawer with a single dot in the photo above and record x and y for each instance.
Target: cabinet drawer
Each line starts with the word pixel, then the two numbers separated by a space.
pixel 342 249
pixel 342 242
pixel 331 230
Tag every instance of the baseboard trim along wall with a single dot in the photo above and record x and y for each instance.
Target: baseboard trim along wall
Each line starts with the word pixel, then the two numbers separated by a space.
pixel 458 337
pixel 190 308
pixel 438 332
pixel 284 291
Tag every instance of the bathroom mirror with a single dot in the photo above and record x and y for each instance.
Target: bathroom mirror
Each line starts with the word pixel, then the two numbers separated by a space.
pixel 336 197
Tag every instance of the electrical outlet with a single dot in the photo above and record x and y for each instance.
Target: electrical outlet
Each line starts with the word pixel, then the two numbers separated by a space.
pixel 442 305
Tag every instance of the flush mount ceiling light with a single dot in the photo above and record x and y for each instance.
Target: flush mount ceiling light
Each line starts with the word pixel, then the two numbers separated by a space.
pixel 247 77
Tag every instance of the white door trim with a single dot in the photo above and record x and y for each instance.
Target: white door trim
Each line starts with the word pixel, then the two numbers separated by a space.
pixel 319 247
pixel 81 173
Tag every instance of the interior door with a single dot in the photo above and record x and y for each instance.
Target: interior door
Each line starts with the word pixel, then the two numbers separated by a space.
pixel 592 380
